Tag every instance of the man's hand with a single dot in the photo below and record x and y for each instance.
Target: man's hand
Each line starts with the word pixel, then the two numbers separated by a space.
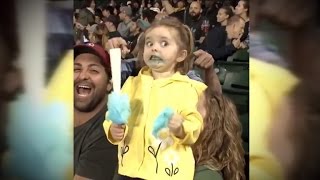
pixel 236 43
pixel 203 59
pixel 175 126
pixel 117 131
pixel 117 42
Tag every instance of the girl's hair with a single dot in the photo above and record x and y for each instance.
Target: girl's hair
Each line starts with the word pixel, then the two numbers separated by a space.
pixel 184 40
pixel 228 11
pixel 219 146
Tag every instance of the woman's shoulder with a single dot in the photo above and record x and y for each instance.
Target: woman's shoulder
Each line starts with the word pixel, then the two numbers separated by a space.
pixel 202 172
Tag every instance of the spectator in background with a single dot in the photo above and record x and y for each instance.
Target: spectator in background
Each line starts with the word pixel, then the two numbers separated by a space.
pixel 242 10
pixel 112 3
pixel 195 21
pixel 135 8
pixel 134 33
pixel 223 15
pixel 107 11
pixel 116 10
pixel 77 29
pixel 111 23
pixel 181 5
pixel 157 4
pixel 98 16
pixel 99 35
pixel 220 42
pixel 148 15
pixel 125 18
pixel 211 11
pixel 87 14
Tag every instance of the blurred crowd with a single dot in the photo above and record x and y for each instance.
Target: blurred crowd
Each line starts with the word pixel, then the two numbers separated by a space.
pixel 211 22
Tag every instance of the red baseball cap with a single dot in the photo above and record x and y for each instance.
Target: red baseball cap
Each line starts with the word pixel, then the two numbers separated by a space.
pixel 95 49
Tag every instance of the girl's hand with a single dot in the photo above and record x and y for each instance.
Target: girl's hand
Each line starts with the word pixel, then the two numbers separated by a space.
pixel 175 125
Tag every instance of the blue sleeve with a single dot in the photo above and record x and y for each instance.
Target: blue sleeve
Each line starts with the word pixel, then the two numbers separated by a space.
pixel 195 76
pixel 128 67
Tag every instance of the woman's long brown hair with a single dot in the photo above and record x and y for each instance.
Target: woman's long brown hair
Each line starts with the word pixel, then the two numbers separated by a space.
pixel 219 146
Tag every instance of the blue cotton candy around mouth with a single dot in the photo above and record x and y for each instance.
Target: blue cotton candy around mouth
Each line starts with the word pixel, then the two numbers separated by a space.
pixel 118 108
pixel 162 121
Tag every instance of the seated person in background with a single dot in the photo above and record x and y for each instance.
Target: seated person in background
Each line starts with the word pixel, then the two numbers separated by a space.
pixel 242 10
pixel 195 22
pixel 98 16
pixel 125 17
pixel 99 35
pixel 107 11
pixel 224 14
pixel 148 15
pixel 220 42
pixel 111 23
pixel 134 33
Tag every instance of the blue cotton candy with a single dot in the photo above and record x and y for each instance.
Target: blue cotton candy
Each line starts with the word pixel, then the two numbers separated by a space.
pixel 118 108
pixel 162 121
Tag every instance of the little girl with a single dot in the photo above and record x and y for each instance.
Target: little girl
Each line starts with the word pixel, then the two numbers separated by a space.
pixel 218 152
pixel 162 83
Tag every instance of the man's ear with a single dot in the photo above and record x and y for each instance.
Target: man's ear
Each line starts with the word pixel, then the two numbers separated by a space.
pixel 109 86
pixel 182 56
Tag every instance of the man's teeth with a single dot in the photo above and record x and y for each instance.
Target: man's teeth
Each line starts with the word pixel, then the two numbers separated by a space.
pixel 84 87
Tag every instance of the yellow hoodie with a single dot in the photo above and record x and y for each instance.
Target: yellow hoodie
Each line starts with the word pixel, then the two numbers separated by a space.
pixel 140 154
pixel 268 85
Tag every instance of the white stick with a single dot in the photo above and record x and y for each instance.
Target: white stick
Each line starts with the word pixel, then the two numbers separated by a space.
pixel 32 39
pixel 115 58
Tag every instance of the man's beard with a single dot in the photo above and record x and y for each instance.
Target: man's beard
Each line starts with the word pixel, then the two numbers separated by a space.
pixel 195 17
pixel 88 106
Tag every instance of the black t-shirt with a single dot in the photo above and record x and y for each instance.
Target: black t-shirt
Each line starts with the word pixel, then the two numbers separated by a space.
pixel 132 41
pixel 94 156
pixel 195 26
pixel 114 34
